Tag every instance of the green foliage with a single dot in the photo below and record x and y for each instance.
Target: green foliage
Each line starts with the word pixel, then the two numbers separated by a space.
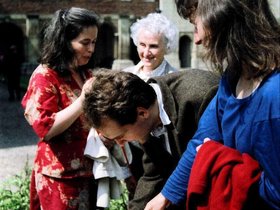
pixel 14 192
pixel 119 204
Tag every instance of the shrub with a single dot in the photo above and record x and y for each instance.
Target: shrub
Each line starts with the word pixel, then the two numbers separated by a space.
pixel 14 192
pixel 121 203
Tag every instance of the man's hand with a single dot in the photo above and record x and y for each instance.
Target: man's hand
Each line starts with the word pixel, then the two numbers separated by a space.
pixel 157 203
pixel 109 143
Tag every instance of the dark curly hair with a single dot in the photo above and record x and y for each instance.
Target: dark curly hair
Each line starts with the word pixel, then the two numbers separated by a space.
pixel 116 95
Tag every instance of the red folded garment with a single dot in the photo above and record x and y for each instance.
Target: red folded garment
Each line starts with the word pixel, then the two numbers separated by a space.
pixel 222 179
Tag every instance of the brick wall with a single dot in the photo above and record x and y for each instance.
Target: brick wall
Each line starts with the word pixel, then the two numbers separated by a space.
pixel 133 7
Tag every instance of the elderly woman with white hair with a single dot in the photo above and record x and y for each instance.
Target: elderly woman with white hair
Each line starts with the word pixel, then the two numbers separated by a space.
pixel 155 36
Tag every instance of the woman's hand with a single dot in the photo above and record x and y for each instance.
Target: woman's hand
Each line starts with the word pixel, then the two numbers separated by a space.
pixel 86 88
pixel 66 117
pixel 157 203
pixel 205 140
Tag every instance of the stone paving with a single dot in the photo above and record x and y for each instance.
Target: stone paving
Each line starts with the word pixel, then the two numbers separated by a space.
pixel 17 140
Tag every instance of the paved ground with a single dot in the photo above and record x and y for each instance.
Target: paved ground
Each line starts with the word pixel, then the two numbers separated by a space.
pixel 17 140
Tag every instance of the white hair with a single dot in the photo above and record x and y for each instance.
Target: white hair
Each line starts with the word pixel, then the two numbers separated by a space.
pixel 157 23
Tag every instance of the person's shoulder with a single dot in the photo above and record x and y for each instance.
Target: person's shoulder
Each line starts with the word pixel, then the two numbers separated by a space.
pixel 170 68
pixel 133 69
pixel 194 75
pixel 43 72
pixel 270 86
pixel 43 78
pixel 192 81
pixel 199 72
pixel 129 69
pixel 41 68
pixel 274 76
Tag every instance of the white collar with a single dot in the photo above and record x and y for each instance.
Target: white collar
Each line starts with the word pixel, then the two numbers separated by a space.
pixel 162 113
pixel 160 70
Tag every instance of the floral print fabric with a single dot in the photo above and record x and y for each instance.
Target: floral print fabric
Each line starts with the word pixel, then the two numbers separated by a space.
pixel 62 156
pixel 62 194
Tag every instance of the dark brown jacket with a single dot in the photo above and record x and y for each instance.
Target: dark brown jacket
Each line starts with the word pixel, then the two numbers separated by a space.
pixel 185 96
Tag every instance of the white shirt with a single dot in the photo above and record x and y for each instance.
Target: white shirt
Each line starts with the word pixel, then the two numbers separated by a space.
pixel 163 117
pixel 159 71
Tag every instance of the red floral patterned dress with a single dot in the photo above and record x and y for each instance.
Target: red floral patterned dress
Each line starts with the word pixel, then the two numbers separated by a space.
pixel 62 157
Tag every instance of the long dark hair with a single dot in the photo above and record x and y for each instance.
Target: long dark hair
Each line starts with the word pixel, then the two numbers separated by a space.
pixel 241 33
pixel 65 26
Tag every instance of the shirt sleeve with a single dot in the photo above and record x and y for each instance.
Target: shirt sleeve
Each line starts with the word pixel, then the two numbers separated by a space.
pixel 41 103
pixel 267 150
pixel 157 165
pixel 177 184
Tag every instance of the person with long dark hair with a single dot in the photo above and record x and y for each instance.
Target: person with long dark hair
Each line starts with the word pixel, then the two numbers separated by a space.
pixel 242 40
pixel 62 176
